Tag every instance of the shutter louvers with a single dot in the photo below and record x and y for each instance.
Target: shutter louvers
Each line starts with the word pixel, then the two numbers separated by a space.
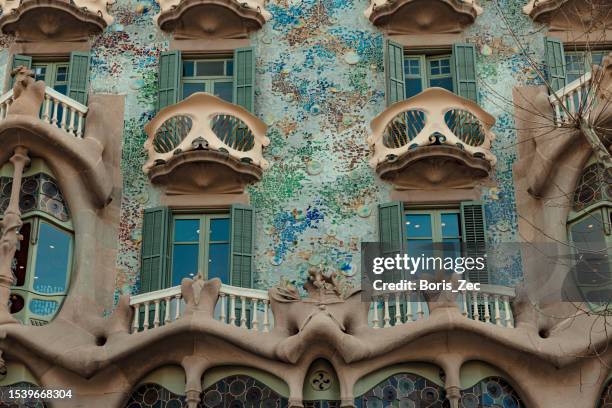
pixel 464 63
pixel 154 250
pixel 244 78
pixel 555 63
pixel 242 246
pixel 78 77
pixel 18 60
pixel 169 78
pixel 394 72
pixel 474 237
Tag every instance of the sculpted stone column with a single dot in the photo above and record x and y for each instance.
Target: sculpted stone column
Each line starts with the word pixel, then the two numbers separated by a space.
pixel 10 234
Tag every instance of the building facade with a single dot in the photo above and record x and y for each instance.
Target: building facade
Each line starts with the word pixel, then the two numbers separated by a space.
pixel 185 186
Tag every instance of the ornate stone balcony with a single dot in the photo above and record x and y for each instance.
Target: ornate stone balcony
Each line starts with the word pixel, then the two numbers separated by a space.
pixel 434 139
pixel 490 304
pixel 211 18
pixel 585 16
pixel 423 16
pixel 204 144
pixel 58 20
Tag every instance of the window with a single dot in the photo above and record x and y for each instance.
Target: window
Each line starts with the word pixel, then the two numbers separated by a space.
pixel 200 243
pixel 231 79
pixel 43 260
pixel 68 76
pixel 407 73
pixel 424 71
pixel 579 63
pixel 55 74
pixel 590 233
pixel 178 245
pixel 214 76
pixel 458 231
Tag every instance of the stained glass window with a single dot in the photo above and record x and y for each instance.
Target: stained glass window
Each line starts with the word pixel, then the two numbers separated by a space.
pixel 404 390
pixel 594 185
pixel 241 391
pixel 154 396
pixel 490 392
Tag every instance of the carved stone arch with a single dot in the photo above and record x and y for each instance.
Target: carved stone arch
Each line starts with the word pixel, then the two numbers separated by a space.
pixel 418 382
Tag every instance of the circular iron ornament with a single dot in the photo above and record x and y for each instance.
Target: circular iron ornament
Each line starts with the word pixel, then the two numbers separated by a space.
pixel 321 380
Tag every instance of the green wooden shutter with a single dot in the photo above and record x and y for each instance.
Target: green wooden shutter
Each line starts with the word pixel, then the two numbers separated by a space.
pixel 154 250
pixel 394 72
pixel 242 246
pixel 464 75
pixel 18 60
pixel 555 63
pixel 244 77
pixel 78 76
pixel 169 79
pixel 474 228
pixel 391 227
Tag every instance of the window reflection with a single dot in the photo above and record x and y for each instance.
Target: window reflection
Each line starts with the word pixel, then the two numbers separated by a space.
pixel 52 259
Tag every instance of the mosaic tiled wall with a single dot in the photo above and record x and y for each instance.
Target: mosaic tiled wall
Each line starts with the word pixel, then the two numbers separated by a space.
pixel 319 83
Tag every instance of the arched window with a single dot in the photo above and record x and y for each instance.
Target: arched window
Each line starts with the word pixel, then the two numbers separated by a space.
pixel 405 389
pixel 491 392
pixel 589 230
pixel 241 391
pixel 43 260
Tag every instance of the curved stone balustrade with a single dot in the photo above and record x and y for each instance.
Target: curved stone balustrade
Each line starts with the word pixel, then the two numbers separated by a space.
pixel 211 18
pixel 204 132
pixel 65 20
pixel 154 309
pixel 423 16
pixel 432 128
pixel 57 109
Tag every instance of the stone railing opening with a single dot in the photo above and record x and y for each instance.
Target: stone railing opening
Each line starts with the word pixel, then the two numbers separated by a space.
pixel 433 117
pixel 57 109
pixel 205 122
pixel 250 308
pixel 241 307
pixel 491 304
pixel 572 100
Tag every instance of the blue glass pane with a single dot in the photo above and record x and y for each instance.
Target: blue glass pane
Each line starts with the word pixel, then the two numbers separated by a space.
pixel 63 89
pixel 186 230
pixel 445 66
pixel 218 262
pixel 43 307
pixel 597 58
pixel 229 68
pixel 210 68
pixel 191 88
pixel 62 74
pixel 572 77
pixel 52 259
pixel 184 262
pixel 450 225
pixel 418 225
pixel 414 87
pixel 434 67
pixel 224 90
pixel 39 73
pixel 412 66
pixel 451 247
pixel 188 70
pixel 446 83
pixel 219 229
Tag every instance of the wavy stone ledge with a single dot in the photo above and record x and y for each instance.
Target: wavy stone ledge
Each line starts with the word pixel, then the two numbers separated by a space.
pixel 55 20
pixel 211 18
pixel 579 15
pixel 434 167
pixel 204 171
pixel 423 16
